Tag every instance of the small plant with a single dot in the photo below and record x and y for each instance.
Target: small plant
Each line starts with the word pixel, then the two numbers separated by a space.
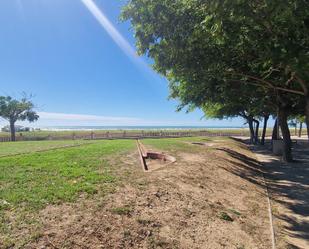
pixel 235 212
pixel 143 221
pixel 126 233
pixel 157 243
pixel 122 210
pixel 226 217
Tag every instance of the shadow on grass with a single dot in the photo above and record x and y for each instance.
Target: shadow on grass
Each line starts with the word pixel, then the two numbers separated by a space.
pixel 288 184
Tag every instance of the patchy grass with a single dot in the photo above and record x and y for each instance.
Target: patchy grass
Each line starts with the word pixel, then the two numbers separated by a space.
pixel 37 179
pixel 30 182
pixel 180 144
pixel 166 144
pixel 13 148
pixel 42 178
pixel 122 210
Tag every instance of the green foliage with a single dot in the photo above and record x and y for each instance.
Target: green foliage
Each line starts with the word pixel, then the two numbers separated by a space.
pixel 13 109
pixel 234 53
pixel 300 119
pixel 230 58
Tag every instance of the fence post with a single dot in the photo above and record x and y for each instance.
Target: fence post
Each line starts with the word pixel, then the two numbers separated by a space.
pixel 92 135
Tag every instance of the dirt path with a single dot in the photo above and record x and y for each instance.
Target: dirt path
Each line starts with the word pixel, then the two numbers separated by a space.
pixel 289 188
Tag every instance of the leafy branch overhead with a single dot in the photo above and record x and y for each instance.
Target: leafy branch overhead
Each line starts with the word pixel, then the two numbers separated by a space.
pixel 251 58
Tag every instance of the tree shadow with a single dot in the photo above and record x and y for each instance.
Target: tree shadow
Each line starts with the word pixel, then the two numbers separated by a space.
pixel 245 167
pixel 288 183
pixel 298 229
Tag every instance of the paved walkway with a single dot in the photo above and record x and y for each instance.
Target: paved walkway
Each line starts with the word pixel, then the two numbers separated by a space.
pixel 289 189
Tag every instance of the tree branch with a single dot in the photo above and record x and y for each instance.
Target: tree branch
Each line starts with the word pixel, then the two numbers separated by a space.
pixel 269 84
pixel 302 84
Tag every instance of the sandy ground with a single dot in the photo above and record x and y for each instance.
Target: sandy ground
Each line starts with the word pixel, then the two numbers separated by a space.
pixel 289 188
pixel 213 198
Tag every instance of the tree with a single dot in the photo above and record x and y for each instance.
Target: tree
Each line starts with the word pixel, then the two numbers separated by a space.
pixel 298 119
pixel 203 47
pixel 13 110
pixel 242 102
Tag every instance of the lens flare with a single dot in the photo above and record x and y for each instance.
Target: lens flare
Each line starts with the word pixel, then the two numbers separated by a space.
pixel 112 31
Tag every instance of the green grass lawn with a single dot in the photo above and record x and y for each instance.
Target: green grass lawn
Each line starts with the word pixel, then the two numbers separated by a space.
pixel 41 178
pixel 13 148
pixel 29 182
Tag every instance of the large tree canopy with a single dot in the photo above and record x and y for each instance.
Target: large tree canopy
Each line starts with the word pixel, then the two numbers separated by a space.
pixel 249 40
pixel 210 49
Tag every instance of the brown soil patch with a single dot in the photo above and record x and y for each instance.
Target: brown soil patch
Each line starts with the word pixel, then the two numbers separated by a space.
pixel 201 201
pixel 155 164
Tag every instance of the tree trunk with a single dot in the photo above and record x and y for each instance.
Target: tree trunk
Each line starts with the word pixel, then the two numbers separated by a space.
pixel 12 129
pixel 287 143
pixel 256 134
pixel 296 128
pixel 266 117
pixel 250 123
pixel 300 129
pixel 307 115
pixel 275 135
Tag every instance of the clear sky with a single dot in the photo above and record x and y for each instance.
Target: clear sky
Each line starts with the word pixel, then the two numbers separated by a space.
pixel 79 61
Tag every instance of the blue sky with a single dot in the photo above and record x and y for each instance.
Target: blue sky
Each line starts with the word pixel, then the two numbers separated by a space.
pixel 79 61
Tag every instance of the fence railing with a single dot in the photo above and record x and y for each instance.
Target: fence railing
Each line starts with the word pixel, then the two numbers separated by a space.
pixel 123 135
